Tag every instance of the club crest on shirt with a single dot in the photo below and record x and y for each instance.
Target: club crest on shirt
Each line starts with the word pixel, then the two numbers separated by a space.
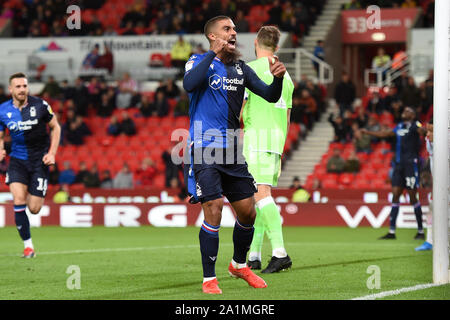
pixel 9 114
pixel 32 111
pixel 239 69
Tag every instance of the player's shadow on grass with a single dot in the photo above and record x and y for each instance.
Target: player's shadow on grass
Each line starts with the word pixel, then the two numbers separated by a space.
pixel 349 262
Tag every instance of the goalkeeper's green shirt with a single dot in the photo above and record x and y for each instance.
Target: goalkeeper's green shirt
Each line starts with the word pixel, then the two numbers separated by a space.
pixel 265 123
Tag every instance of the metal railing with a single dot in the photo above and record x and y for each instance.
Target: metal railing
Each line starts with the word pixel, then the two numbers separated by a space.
pixel 385 76
pixel 294 65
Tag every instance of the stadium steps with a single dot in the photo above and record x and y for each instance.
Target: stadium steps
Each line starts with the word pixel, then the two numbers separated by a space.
pixel 319 31
pixel 302 161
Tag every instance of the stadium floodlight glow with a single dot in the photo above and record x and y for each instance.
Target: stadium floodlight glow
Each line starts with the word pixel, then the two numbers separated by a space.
pixel 440 144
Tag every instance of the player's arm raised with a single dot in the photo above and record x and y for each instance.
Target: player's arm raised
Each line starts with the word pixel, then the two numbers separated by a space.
pixel 270 92
pixel 55 136
pixel 195 75
pixel 379 134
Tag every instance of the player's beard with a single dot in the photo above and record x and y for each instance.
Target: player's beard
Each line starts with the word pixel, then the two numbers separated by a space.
pixel 20 98
pixel 232 56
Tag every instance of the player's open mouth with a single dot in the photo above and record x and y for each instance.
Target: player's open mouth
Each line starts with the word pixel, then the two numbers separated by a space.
pixel 232 43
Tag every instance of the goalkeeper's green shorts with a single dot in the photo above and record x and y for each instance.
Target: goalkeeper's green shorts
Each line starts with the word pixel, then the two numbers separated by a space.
pixel 265 167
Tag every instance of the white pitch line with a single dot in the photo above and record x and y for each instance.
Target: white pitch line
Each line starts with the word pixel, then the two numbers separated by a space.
pixel 397 291
pixel 111 250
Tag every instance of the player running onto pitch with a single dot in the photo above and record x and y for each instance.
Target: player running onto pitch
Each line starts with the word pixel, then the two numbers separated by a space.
pixel 265 129
pixel 26 117
pixel 216 82
pixel 406 167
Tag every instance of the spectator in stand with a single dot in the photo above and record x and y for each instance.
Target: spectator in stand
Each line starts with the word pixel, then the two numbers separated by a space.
pixel 381 62
pixel 180 53
pixel 310 107
pixel 146 107
pixel 114 127
pixel 80 97
pixel 146 173
pixel 106 182
pixel 124 178
pixel 76 130
pixel 106 106
pixel 361 117
pixel 341 130
pixel 361 141
pixel 53 176
pixel 410 95
pixel 106 60
pixel 170 89
pixel 67 176
pixel 397 110
pixel 345 93
pixel 401 82
pixel 127 125
pixel 336 163
pixel 94 92
pixel 91 58
pixel 110 32
pixel 319 53
pixel 275 14
pixel 352 163
pixel 372 125
pixel 128 95
pixel 3 96
pixel 409 4
pixel 352 5
pixel 51 88
pixel 375 104
pixel 82 173
pixel 240 22
pixel 182 106
pixel 426 97
pixel 172 170
pixel 161 105
pixel 62 195
pixel 295 183
pixel 92 180
pixel 129 29
pixel 391 95
pixel 301 195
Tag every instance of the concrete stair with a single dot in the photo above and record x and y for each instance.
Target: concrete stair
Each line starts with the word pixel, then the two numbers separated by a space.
pixel 319 31
pixel 302 161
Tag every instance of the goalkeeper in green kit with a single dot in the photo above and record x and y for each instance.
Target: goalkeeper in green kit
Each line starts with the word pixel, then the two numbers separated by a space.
pixel 265 129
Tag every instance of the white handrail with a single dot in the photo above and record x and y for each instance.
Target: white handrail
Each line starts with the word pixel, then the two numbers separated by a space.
pixel 326 72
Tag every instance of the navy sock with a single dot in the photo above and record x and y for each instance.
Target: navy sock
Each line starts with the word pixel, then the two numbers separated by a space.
pixel 242 238
pixel 418 213
pixel 393 216
pixel 22 222
pixel 209 247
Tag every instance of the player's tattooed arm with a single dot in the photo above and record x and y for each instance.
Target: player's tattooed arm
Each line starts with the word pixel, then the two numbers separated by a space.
pixel 55 135
pixel 2 146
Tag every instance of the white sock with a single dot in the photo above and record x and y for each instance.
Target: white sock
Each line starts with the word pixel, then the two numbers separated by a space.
pixel 279 253
pixel 28 244
pixel 208 279
pixel 253 256
pixel 238 265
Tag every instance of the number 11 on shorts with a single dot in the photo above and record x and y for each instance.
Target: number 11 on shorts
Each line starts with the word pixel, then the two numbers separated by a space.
pixel 42 185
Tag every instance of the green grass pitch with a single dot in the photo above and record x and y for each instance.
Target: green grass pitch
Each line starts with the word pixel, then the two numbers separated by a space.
pixel 164 264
